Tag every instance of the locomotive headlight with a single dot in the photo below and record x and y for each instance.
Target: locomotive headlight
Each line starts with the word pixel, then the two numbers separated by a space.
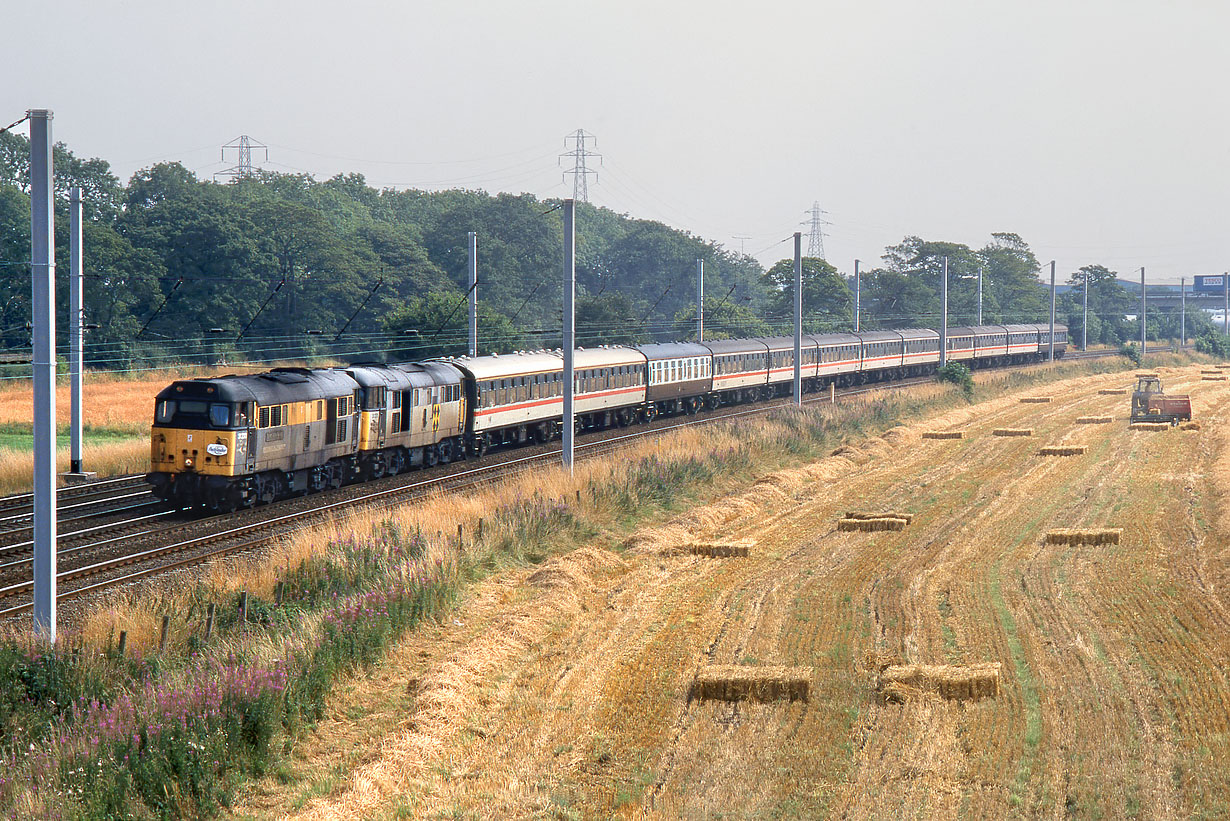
pixel 187 463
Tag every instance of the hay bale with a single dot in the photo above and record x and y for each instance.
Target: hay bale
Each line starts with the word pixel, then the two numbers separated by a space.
pixel 1190 426
pixel 1094 420
pixel 870 525
pixel 944 434
pixel 1221 378
pixel 721 550
pixel 1150 426
pixel 891 514
pixel 1063 450
pixel 1223 365
pixel 959 682
pixel 1210 373
pixel 1148 375
pixel 731 682
pixel 1088 536
pixel 1013 432
pixel 1113 392
pixel 1035 400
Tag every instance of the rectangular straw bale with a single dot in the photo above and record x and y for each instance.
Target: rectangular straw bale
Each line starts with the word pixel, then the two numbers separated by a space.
pixel 944 434
pixel 1213 378
pixel 1222 365
pixel 1094 420
pixel 890 514
pixel 1113 392
pixel 1013 432
pixel 1190 426
pixel 1063 450
pixel 1150 426
pixel 720 550
pixel 1078 536
pixel 731 682
pixel 1210 373
pixel 952 681
pixel 1035 400
pixel 1148 376
pixel 882 523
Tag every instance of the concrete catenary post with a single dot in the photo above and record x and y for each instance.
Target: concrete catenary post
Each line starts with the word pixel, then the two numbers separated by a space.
pixel 798 318
pixel 1051 352
pixel 42 276
pixel 700 300
pixel 857 308
pixel 473 261
pixel 76 320
pixel 944 316
pixel 570 329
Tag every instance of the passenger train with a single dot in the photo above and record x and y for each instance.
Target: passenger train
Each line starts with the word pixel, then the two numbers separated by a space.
pixel 236 441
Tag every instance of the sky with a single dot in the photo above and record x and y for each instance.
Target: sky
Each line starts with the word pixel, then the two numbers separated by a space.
pixel 1096 129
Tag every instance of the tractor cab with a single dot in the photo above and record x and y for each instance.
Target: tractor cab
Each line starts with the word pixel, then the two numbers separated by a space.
pixel 1147 385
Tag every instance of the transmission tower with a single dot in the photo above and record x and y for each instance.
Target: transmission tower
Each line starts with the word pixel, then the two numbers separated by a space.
pixel 243 164
pixel 815 241
pixel 579 171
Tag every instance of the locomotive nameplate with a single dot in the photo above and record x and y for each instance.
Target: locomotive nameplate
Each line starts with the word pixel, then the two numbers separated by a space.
pixel 215 449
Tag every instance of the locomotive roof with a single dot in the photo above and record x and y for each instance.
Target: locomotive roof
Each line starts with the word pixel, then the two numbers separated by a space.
pixel 672 350
pixel 403 375
pixel 272 388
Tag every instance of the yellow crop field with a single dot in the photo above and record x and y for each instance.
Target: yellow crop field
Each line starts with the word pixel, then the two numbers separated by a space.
pixel 963 666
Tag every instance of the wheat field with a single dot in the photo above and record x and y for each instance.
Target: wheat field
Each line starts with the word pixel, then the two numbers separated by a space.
pixel 562 691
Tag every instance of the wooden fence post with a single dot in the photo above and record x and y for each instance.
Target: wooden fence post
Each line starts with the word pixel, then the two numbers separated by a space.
pixel 243 606
pixel 209 620
pixel 123 642
pixel 277 594
pixel 162 635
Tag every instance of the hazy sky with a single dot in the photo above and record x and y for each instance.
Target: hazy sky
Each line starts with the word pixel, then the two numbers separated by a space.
pixel 1098 131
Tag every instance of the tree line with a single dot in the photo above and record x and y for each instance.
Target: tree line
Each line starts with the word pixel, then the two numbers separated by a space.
pixel 276 265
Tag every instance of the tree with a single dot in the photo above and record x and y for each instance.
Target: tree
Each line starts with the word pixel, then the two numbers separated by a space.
pixel 1010 279
pixel 1109 302
pixel 826 297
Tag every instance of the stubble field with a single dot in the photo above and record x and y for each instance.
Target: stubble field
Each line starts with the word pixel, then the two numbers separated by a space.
pixel 562 690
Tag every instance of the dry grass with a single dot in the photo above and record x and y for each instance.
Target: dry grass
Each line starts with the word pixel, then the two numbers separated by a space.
pixel 944 434
pixel 1157 426
pixel 730 682
pixel 1035 400
pixel 1063 450
pixel 106 459
pixel 872 525
pixel 1094 420
pixel 1076 536
pixel 907 682
pixel 1113 392
pixel 721 550
pixel 1012 432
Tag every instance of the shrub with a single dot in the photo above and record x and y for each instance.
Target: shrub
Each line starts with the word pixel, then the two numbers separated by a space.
pixel 1132 352
pixel 1214 344
pixel 958 374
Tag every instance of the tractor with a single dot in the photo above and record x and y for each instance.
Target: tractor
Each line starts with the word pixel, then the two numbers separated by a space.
pixel 1151 404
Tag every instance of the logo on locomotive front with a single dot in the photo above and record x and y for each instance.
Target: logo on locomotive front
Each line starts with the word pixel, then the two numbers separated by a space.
pixel 215 449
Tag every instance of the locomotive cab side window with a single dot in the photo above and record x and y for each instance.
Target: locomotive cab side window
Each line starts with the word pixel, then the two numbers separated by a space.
pixel 220 415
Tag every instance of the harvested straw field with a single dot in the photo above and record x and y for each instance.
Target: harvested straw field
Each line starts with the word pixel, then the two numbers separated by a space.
pixel 572 701
pixel 872 524
pixel 1155 426
pixel 1063 450
pixel 731 682
pixel 1091 536
pixel 1113 392
pixel 944 434
pixel 1012 432
pixel 720 550
pixel 958 682
pixel 1094 420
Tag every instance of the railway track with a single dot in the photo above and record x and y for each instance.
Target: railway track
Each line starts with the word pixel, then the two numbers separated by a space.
pixel 168 546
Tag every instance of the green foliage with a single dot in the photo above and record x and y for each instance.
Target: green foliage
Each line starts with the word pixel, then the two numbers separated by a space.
pixel 957 373
pixel 1132 351
pixel 1214 344
pixel 827 300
